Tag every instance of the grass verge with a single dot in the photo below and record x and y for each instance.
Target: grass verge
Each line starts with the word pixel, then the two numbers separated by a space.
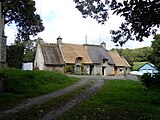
pixel 18 85
pixel 119 100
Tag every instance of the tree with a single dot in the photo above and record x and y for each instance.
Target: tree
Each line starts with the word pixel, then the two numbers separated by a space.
pixel 142 54
pixel 142 17
pixel 155 57
pixel 22 13
pixel 127 54
pixel 136 55
pixel 30 50
pixel 15 54
pixel 2 40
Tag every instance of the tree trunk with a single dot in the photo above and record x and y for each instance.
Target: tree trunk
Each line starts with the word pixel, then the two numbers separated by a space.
pixel 2 40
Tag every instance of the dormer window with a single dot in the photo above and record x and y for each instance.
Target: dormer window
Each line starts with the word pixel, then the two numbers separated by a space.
pixel 78 61
pixel 78 64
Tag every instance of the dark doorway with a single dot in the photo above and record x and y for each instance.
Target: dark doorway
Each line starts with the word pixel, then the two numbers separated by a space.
pixel 91 69
pixel 103 69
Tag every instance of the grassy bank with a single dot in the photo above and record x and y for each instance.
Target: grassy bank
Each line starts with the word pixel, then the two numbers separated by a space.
pixel 19 84
pixel 119 100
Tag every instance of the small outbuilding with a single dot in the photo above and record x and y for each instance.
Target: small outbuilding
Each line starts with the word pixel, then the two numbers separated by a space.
pixel 148 68
pixel 27 66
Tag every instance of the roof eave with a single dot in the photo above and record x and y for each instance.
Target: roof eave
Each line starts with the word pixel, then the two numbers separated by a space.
pixel 54 64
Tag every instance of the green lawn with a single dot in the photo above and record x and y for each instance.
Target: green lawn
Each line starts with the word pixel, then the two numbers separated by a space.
pixel 137 65
pixel 19 85
pixel 119 100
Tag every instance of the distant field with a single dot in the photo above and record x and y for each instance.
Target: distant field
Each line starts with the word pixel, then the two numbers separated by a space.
pixel 137 65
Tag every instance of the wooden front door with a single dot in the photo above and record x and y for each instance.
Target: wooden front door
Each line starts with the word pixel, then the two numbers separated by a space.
pixel 115 71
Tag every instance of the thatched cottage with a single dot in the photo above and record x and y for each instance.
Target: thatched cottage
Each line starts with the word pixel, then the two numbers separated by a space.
pixel 84 59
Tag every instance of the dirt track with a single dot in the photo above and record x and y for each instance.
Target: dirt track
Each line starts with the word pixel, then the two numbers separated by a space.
pixel 54 113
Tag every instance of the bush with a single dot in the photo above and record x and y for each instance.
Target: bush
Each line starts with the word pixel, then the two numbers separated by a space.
pixel 151 81
pixel 69 69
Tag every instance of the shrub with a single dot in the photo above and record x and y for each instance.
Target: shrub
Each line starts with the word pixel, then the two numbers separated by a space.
pixel 151 81
pixel 69 69
pixel 98 74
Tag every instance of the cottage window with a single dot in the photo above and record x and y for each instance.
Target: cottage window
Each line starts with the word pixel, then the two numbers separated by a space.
pixel 121 70
pixel 78 68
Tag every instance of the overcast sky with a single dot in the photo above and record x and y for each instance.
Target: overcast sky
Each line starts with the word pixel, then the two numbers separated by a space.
pixel 61 18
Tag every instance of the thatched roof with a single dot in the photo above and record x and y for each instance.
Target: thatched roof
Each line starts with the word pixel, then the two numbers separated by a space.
pixel 118 60
pixel 68 53
pixel 72 51
pixel 97 53
pixel 125 61
pixel 51 54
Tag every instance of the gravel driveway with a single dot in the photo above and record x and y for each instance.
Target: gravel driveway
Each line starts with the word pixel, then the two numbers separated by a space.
pixel 55 113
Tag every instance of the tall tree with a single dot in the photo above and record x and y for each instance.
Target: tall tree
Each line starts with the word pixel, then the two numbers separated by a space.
pixel 2 40
pixel 127 54
pixel 23 14
pixel 142 17
pixel 15 54
pixel 142 54
pixel 155 57
pixel 30 50
pixel 136 55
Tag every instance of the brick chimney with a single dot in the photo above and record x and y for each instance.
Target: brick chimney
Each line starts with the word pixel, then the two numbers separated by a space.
pixel 59 40
pixel 103 44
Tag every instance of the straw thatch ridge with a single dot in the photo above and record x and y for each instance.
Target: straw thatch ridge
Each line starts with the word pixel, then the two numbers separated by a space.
pixel 125 62
pixel 118 60
pixel 51 54
pixel 97 53
pixel 72 51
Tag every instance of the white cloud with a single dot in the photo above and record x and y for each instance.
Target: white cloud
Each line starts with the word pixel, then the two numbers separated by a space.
pixel 10 32
pixel 62 18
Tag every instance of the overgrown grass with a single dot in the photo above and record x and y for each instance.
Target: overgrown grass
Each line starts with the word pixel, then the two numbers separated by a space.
pixel 39 111
pixel 19 84
pixel 119 100
pixel 137 65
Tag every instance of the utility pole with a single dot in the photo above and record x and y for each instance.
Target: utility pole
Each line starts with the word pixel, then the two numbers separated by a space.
pixel 2 39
